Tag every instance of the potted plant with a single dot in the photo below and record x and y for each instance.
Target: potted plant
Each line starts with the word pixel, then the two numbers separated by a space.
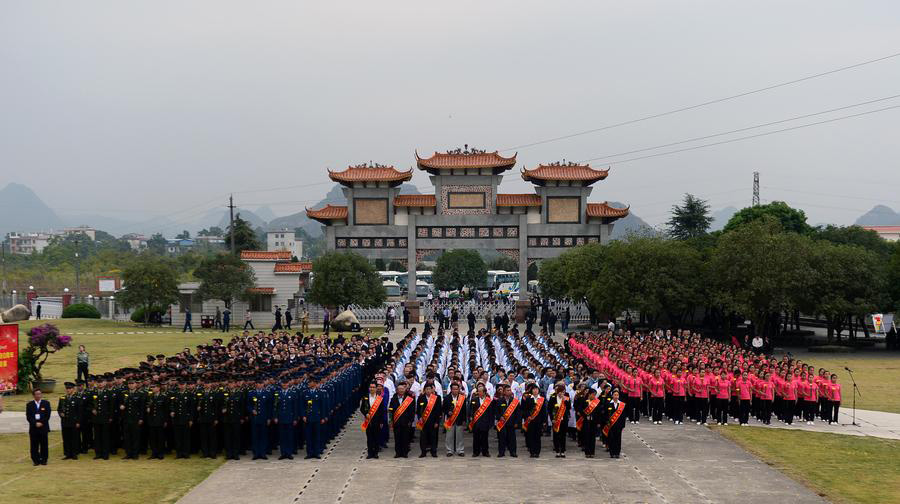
pixel 43 340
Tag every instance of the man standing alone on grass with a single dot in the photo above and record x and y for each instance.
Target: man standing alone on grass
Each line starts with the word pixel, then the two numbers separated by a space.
pixel 226 320
pixel 187 321
pixel 38 414
pixel 82 361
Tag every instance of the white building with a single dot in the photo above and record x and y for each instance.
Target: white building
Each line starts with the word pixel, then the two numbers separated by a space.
pixel 283 239
pixel 136 241
pixel 84 230
pixel 279 283
pixel 889 233
pixel 28 243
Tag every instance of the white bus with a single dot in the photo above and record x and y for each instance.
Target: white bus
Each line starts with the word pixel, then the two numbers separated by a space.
pixel 392 289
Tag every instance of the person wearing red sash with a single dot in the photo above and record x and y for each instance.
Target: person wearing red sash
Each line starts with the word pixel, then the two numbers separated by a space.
pixel 455 418
pixel 428 409
pixel 374 409
pixel 402 412
pixel 590 418
pixel 481 420
pixel 559 417
pixel 534 418
pixel 614 425
pixel 508 415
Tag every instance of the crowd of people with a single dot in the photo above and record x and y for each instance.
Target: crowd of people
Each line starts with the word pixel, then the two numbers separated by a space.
pixel 256 393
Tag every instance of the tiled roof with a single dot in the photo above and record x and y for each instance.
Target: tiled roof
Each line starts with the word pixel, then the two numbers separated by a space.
pixel 328 213
pixel 263 255
pixel 604 210
pixel 293 267
pixel 518 200
pixel 415 200
pixel 370 173
pixel 477 159
pixel 573 172
pixel 261 290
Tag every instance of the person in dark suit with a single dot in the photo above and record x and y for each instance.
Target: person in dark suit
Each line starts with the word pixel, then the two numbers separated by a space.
pixel 38 414
pixel 187 321
pixel 373 407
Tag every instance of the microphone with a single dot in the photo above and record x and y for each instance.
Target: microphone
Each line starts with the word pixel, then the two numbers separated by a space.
pixel 847 369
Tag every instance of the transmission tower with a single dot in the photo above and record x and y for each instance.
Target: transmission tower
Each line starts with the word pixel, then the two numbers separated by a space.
pixel 756 188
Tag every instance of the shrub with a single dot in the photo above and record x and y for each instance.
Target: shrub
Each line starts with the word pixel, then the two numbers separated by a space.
pixel 81 310
pixel 156 313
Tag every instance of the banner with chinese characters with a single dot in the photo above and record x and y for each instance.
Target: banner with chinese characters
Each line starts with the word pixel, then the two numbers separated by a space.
pixel 9 357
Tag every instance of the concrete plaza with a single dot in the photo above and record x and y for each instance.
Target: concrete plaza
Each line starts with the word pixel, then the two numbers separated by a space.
pixel 660 464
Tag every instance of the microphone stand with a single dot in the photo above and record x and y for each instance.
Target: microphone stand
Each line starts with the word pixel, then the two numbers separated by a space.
pixel 855 392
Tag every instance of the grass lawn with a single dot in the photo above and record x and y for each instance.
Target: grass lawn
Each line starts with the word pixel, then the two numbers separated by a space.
pixel 93 481
pixel 876 374
pixel 109 351
pixel 840 467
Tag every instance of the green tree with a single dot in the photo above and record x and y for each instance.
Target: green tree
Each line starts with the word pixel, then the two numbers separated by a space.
pixel 212 231
pixel 790 219
pixel 759 271
pixel 460 268
pixel 848 281
pixel 184 235
pixel 690 219
pixel 157 244
pixel 503 263
pixel 244 236
pixel 854 235
pixel 224 277
pixel 573 275
pixel 312 247
pixel 149 281
pixel 396 265
pixel 379 264
pixel 344 278
pixel 893 277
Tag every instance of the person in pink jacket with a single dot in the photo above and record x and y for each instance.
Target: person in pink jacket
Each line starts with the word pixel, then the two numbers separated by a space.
pixel 723 395
pixel 657 394
pixel 834 400
pixel 745 394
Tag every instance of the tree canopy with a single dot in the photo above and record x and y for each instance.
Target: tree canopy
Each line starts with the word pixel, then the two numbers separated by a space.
pixel 344 278
pixel 149 281
pixel 503 263
pixel 790 219
pixel 459 268
pixel 244 236
pixel 690 219
pixel 224 277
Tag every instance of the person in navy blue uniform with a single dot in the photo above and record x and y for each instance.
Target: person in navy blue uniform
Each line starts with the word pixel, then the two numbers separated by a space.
pixel 313 419
pixel 38 414
pixel 259 407
pixel 286 415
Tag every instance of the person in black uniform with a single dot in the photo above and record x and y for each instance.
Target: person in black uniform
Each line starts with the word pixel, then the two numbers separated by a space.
pixel 37 412
pixel 70 414
pixel 374 411
pixel 455 403
pixel 509 418
pixel 614 425
pixel 534 418
pixel 233 417
pixel 481 420
pixel 428 409
pixel 181 411
pixel 590 419
pixel 157 416
pixel 401 413
pixel 559 419
pixel 132 412
pixel 86 430
pixel 208 412
pixel 101 417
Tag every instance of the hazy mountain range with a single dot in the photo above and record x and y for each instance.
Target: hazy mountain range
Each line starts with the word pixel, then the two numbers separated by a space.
pixel 23 210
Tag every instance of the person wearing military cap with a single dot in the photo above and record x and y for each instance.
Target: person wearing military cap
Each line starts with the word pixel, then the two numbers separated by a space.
pixel 101 416
pixel 181 411
pixel 208 408
pixel 260 408
pixel 132 413
pixel 86 431
pixel 286 414
pixel 233 418
pixel 70 411
pixel 156 413
pixel 313 418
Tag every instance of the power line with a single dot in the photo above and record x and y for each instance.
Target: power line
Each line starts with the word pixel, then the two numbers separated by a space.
pixel 703 104
pixel 738 139
pixel 747 128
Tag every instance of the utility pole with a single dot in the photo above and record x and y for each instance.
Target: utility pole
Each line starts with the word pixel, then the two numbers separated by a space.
pixel 756 188
pixel 3 266
pixel 231 220
pixel 77 267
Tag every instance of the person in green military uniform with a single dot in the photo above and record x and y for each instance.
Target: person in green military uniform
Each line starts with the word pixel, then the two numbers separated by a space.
pixel 233 417
pixel 208 409
pixel 157 415
pixel 86 431
pixel 132 413
pixel 181 411
pixel 70 414
pixel 101 416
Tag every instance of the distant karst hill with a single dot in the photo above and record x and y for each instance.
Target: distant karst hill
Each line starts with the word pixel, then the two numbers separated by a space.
pixel 879 215
pixel 23 210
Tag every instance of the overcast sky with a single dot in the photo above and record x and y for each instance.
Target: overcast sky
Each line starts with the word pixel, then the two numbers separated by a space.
pixel 138 108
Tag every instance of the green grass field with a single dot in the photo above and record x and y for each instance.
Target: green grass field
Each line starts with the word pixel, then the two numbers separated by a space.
pixel 840 467
pixel 93 481
pixel 876 373
pixel 109 351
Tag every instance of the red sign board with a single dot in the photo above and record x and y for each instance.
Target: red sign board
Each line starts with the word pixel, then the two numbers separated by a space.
pixel 9 356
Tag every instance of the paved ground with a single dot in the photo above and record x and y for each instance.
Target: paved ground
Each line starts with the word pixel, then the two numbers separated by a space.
pixel 661 464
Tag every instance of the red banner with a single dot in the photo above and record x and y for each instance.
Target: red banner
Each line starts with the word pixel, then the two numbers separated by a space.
pixel 9 356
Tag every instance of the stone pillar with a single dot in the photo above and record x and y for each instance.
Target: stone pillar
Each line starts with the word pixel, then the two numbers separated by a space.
pixel 524 302
pixel 411 302
pixel 112 308
pixel 329 238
